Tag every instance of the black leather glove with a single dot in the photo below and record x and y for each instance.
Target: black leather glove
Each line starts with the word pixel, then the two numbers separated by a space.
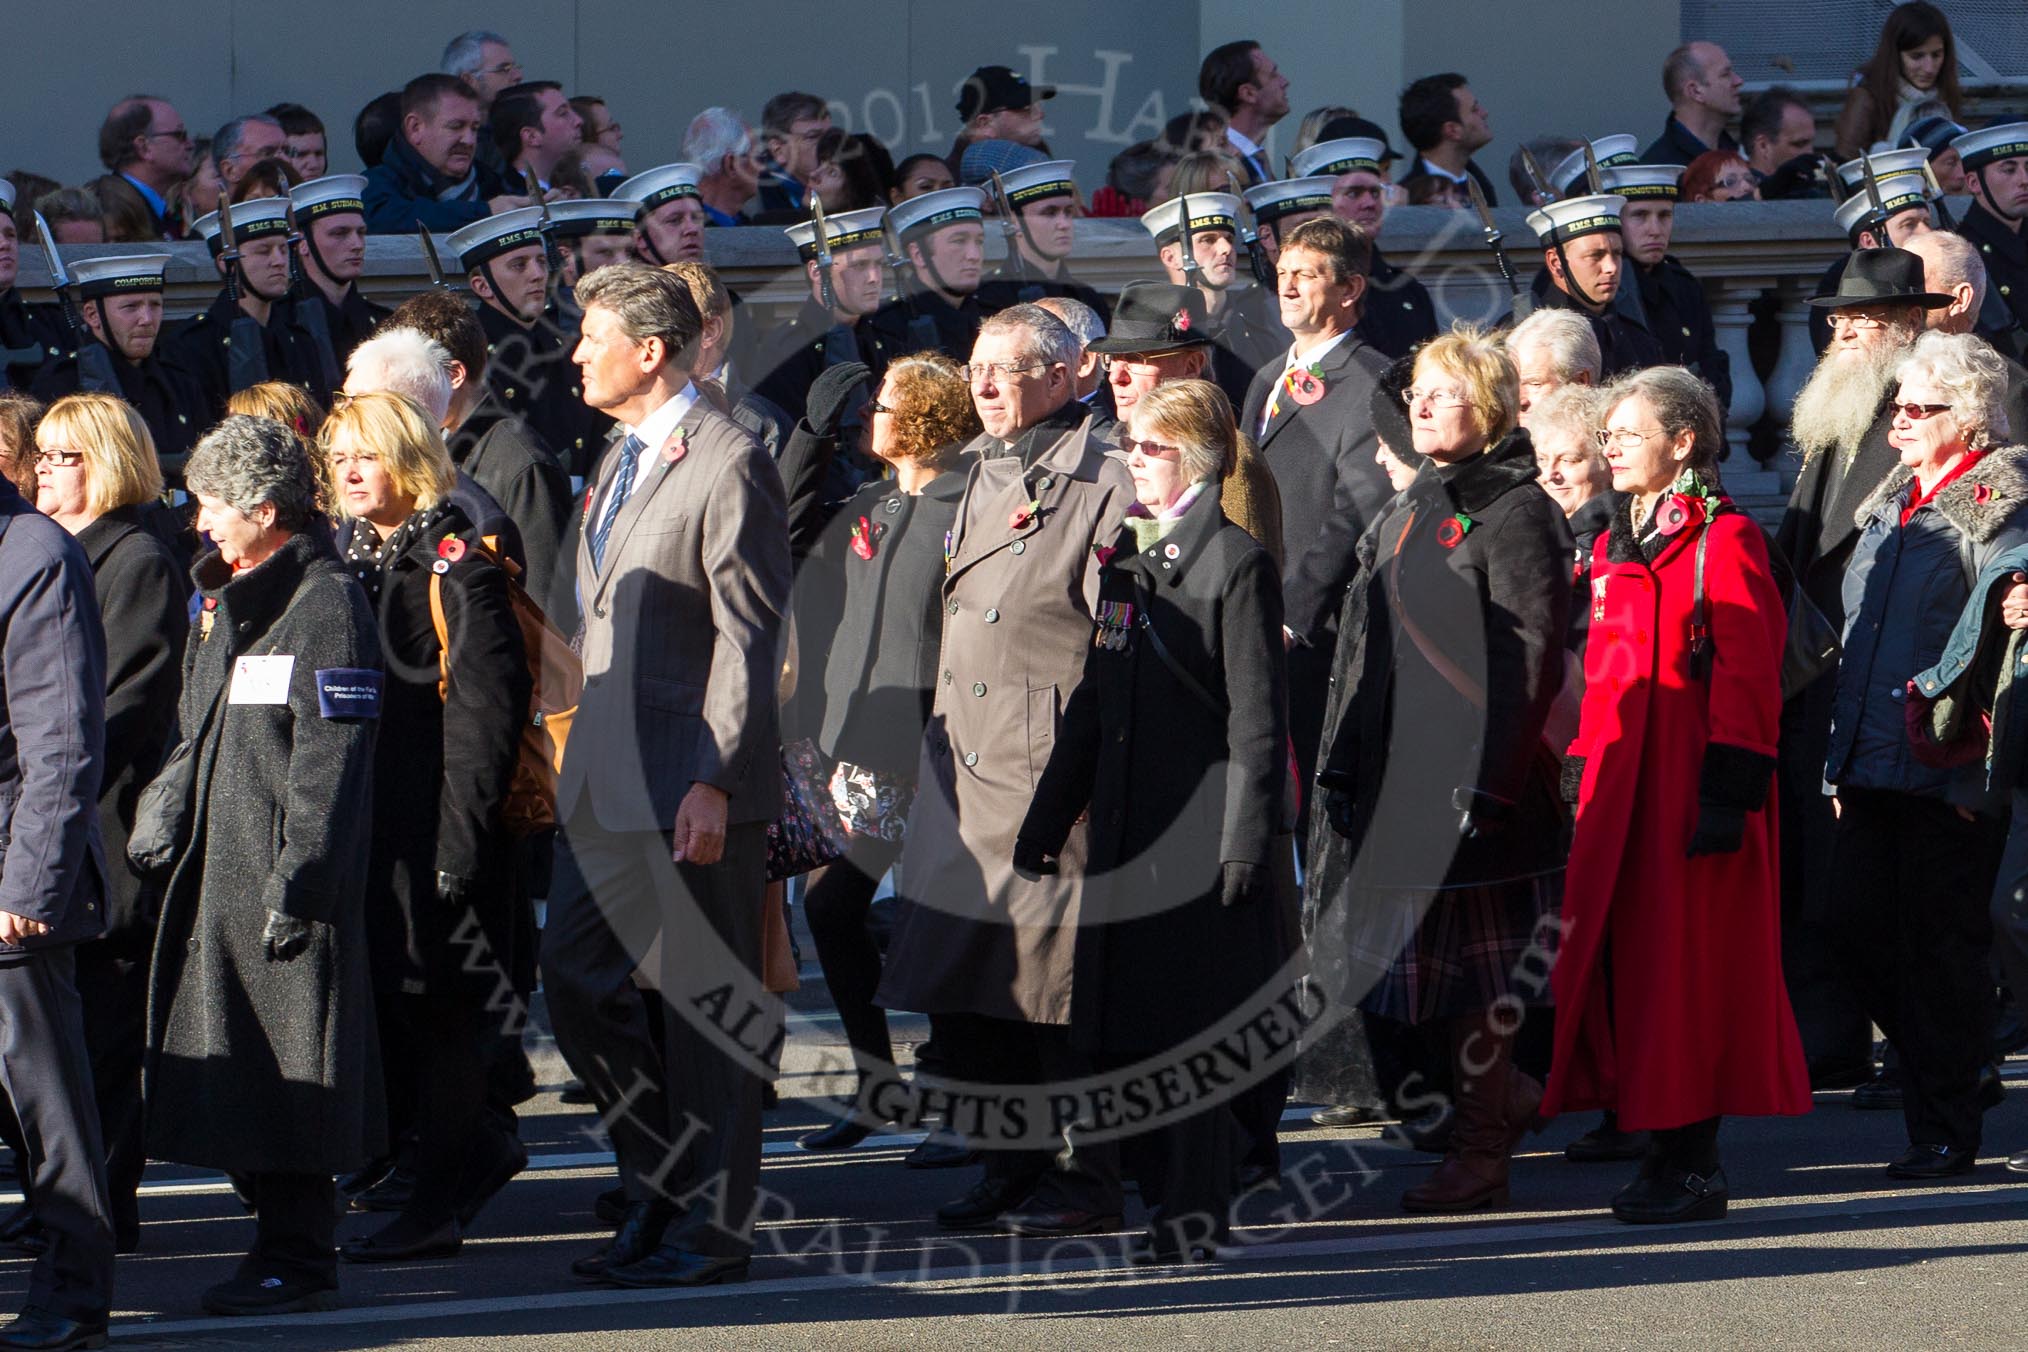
pixel 1720 830
pixel 1031 860
pixel 1242 884
pixel 285 937
pixel 1480 814
pixel 830 394
pixel 453 890
pixel 1341 810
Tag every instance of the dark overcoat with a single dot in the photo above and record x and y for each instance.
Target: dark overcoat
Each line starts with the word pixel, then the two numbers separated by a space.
pixel 1175 786
pixel 202 345
pixel 255 1065
pixel 442 765
pixel 503 455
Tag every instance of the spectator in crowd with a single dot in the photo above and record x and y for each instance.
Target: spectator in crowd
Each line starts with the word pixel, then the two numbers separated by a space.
pixel 1311 129
pixel 271 177
pixel 1445 123
pixel 828 181
pixel 1918 844
pixel 1088 379
pixel 1660 971
pixel 145 142
pixel 867 638
pixel 18 415
pixel 27 187
pixel 244 142
pixel 919 174
pixel 597 124
pixel 1200 132
pixel 295 410
pixel 1916 60
pixel 588 170
pixel 1552 348
pixel 74 215
pixel 1547 152
pixel 440 878
pixel 1151 751
pixel 533 127
pixel 1572 469
pixel 1844 428
pixel 97 476
pixel 266 946
pixel 483 61
pixel 305 146
pixel 1137 178
pixel 1449 726
pixel 721 145
pixel 427 175
pixel 1703 93
pixel 1719 176
pixel 791 125
pixel 1241 81
pixel 867 172
pixel 995 104
pixel 1435 190
pixel 700 608
pixel 120 304
pixel 376 126
pixel 53 677
pixel 1779 135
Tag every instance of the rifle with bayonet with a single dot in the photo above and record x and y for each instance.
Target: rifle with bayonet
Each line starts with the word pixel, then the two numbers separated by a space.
pixel 1936 199
pixel 306 304
pixel 430 259
pixel 826 292
pixel 1537 177
pixel 1524 301
pixel 1013 228
pixel 1249 235
pixel 246 359
pixel 552 252
pixel 1189 244
pixel 1591 176
pixel 94 360
pixel 922 330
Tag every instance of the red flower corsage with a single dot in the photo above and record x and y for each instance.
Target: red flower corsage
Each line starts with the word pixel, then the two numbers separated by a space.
pixel 1451 531
pixel 1105 553
pixel 1672 516
pixel 675 450
pixel 864 536
pixel 1182 323
pixel 1982 493
pixel 1306 386
pixel 1024 514
pixel 451 548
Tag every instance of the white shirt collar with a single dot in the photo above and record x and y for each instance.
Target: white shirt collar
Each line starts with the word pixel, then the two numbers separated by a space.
pixel 1316 354
pixel 1242 142
pixel 1438 171
pixel 660 425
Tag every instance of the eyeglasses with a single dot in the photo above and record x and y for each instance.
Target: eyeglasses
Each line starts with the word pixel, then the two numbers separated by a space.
pixel 1859 323
pixel 1917 412
pixel 178 134
pixel 1000 370
pixel 1732 181
pixel 1437 398
pixel 504 68
pixel 1624 441
pixel 1132 365
pixel 347 459
pixel 61 459
pixel 875 406
pixel 1153 449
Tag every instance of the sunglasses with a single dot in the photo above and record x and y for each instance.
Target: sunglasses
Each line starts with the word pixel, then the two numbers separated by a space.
pixel 1917 412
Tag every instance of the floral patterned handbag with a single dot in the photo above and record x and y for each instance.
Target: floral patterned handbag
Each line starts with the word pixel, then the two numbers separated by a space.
pixel 808 834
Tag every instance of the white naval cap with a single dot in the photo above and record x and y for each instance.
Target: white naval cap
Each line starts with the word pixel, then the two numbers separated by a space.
pixel 251 219
pixel 1852 173
pixel 1980 148
pixel 484 241
pixel 579 217
pixel 1575 217
pixel 842 230
pixel 1898 192
pixel 117 274
pixel 1642 182
pixel 1342 156
pixel 1608 151
pixel 1034 182
pixel 1287 196
pixel 1208 211
pixel 932 211
pixel 327 196
pixel 664 183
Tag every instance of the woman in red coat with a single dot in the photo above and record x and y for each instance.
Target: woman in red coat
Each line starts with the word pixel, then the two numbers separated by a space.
pixel 1668 982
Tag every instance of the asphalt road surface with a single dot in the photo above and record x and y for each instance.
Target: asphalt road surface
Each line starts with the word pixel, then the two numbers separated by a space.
pixel 1820 1250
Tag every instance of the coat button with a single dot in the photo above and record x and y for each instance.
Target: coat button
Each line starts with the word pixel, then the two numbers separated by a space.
pixel 599 611
pixel 1020 546
pixel 953 607
pixel 992 616
pixel 971 758
pixel 978 689
pixel 1044 482
pixel 947 678
pixel 191 945
pixel 1898 692
pixel 893 506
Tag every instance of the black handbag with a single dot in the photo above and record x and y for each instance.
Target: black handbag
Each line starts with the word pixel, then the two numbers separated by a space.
pixel 1812 647
pixel 163 814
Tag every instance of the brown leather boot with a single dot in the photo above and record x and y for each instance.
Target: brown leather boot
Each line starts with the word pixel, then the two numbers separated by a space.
pixel 1492 1111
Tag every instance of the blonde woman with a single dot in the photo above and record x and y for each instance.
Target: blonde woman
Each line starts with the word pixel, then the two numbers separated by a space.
pixel 95 475
pixel 440 886
pixel 292 407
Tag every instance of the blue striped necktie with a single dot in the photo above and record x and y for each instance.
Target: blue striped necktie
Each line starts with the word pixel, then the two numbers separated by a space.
pixel 623 484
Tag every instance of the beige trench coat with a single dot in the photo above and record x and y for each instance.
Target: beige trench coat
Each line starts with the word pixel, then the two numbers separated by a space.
pixel 971 936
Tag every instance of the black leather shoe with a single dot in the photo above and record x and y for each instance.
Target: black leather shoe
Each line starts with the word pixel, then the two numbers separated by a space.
pixel 842 1134
pixel 1345 1115
pixel 1607 1142
pixel 671 1266
pixel 392 1193
pixel 359 1180
pixel 611 1206
pixel 1934 1161
pixel 1881 1093
pixel 1992 1089
pixel 1671 1196
pixel 482 1182
pixel 268 1295
pixel 984 1204
pixel 1840 1074
pixel 1059 1224
pixel 639 1234
pixel 400 1241
pixel 1143 1251
pixel 941 1149
pixel 37 1328
pixel 22 1233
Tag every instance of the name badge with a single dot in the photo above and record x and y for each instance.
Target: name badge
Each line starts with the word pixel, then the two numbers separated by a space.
pixel 348 692
pixel 261 680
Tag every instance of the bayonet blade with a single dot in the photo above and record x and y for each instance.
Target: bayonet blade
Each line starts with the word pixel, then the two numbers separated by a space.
pixel 1591 177
pixel 1189 244
pixel 1493 235
pixel 823 232
pixel 430 258
pixel 59 279
pixel 1536 176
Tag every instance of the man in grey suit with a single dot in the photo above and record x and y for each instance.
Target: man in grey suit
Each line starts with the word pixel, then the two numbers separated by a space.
pixel 672 773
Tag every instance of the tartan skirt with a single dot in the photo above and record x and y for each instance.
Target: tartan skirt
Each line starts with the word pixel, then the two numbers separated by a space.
pixel 1436 953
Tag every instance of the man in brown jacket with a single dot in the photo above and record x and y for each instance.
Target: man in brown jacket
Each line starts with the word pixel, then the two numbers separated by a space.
pixel 982 948
pixel 683 576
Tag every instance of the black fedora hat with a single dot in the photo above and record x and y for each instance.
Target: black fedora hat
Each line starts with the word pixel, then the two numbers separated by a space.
pixel 1882 277
pixel 1157 317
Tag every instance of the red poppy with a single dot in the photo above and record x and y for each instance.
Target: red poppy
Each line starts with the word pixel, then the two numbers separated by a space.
pixel 1450 532
pixel 677 449
pixel 1982 493
pixel 1672 516
pixel 451 548
pixel 1105 554
pixel 1182 321
pixel 1304 386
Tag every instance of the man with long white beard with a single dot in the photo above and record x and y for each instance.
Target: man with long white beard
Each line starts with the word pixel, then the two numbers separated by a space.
pixel 1840 426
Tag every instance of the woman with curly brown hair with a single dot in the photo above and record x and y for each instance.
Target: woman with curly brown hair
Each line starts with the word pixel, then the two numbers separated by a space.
pixel 869 619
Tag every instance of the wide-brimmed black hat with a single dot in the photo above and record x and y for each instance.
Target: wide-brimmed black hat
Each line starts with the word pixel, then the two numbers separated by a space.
pixel 1882 277
pixel 1390 413
pixel 1156 317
